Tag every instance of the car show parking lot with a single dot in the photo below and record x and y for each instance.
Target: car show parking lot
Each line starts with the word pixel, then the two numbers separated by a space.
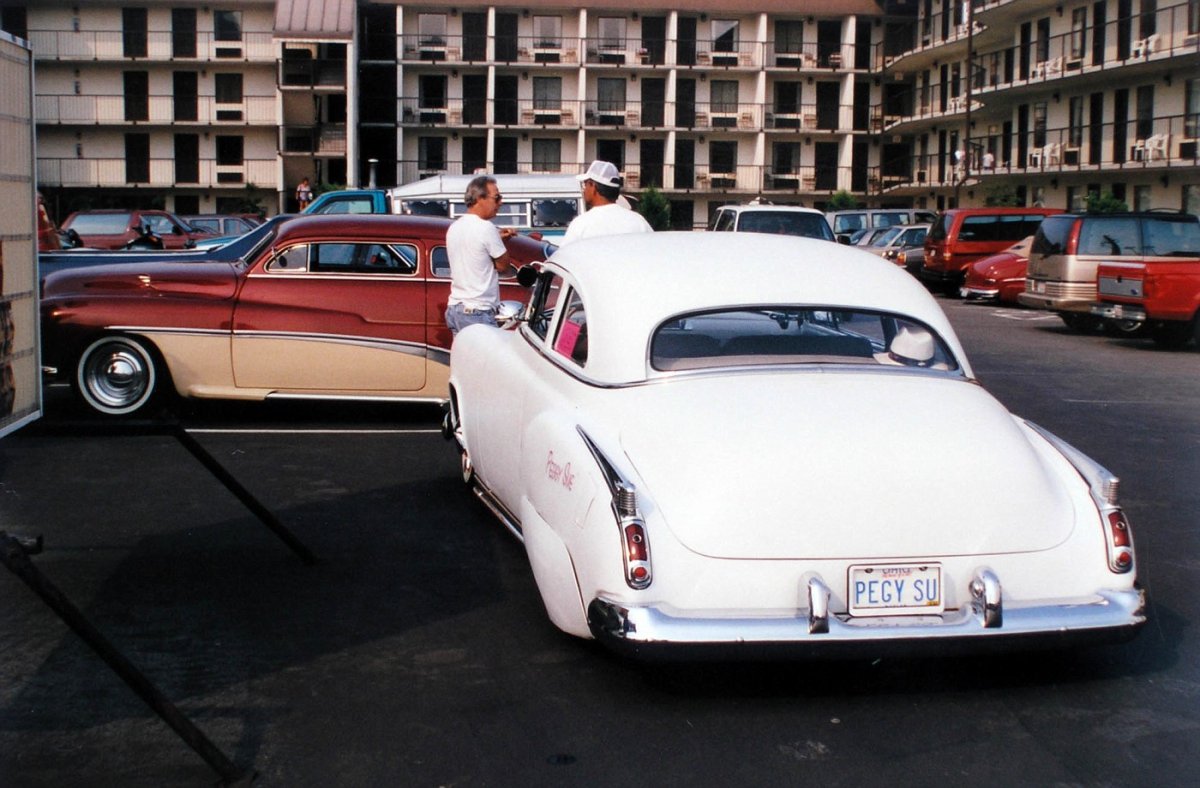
pixel 416 651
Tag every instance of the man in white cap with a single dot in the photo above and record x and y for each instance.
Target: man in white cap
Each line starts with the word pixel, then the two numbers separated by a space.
pixel 604 216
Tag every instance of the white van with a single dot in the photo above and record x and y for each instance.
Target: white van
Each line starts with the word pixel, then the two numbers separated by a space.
pixel 845 223
pixel 544 204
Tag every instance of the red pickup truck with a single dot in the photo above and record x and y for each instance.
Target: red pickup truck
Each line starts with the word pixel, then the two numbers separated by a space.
pixel 1163 293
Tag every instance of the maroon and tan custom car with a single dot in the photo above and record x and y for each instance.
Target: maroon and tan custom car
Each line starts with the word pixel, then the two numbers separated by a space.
pixel 337 307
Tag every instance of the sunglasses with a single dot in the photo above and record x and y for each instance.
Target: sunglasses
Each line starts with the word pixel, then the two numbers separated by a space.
pixel 496 197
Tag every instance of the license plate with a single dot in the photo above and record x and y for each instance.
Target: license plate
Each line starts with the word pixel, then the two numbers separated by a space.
pixel 1039 287
pixel 895 589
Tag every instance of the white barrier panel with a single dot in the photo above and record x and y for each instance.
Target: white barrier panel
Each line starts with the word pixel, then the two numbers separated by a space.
pixel 20 367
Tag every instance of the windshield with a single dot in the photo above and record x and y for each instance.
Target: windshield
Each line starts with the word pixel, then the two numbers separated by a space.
pixel 887 237
pixel 780 335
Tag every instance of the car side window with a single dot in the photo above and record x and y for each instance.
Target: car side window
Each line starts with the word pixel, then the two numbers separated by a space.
pixel 440 262
pixel 290 260
pixel 572 339
pixel 1115 236
pixel 362 258
pixel 545 299
pixel 159 224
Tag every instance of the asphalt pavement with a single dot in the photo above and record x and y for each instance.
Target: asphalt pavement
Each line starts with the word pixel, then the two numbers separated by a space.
pixel 415 651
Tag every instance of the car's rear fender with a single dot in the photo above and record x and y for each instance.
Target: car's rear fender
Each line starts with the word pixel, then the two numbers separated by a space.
pixel 554 573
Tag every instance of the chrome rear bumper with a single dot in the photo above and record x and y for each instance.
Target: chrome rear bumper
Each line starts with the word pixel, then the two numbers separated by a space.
pixel 652 632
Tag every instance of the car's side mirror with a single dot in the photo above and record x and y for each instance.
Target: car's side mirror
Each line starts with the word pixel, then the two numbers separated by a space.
pixel 176 230
pixel 527 276
pixel 509 313
pixel 844 239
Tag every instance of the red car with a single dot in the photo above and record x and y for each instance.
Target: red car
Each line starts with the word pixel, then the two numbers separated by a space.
pixel 338 306
pixel 128 229
pixel 998 277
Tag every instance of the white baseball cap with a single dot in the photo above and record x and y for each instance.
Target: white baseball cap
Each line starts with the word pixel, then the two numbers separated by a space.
pixel 604 173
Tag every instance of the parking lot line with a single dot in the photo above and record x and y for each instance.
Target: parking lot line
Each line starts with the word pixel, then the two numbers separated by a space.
pixel 242 431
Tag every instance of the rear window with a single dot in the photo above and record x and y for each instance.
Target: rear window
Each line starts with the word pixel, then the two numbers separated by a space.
pixel 100 223
pixel 807 225
pixel 941 228
pixel 774 335
pixel 1051 237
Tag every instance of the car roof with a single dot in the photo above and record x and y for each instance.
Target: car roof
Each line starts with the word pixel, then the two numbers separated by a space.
pixel 348 225
pixel 633 283
pixel 770 208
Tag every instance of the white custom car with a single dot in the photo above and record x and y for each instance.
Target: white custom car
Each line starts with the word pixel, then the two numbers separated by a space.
pixel 747 443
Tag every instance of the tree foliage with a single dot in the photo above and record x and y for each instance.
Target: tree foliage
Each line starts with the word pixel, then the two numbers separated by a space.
pixel 655 209
pixel 1105 203
pixel 841 201
pixel 1001 196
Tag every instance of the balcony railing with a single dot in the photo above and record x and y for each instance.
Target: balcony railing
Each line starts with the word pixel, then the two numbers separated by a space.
pixel 594 50
pixel 1160 144
pixel 743 179
pixel 324 140
pixel 163 45
pixel 307 73
pixel 600 114
pixel 72 109
pixel 162 173
pixel 1087 50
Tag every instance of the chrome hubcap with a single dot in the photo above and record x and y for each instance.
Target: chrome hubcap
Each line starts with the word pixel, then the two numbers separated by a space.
pixel 117 377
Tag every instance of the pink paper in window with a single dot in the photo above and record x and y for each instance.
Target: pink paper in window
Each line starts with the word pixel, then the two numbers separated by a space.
pixel 567 337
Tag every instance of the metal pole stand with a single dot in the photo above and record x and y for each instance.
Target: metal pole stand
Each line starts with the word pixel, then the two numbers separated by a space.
pixel 15 552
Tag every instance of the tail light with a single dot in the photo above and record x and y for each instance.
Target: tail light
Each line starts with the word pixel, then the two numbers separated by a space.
pixel 1147 286
pixel 638 574
pixel 1119 541
pixel 1073 237
pixel 634 539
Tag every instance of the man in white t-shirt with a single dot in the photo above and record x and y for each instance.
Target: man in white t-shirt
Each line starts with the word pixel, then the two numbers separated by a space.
pixel 601 186
pixel 475 248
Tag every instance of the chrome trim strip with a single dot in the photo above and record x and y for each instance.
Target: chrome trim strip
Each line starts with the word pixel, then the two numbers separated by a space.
pixel 431 352
pixel 1110 612
pixel 357 398
pixel 169 330
pixel 506 518
pixel 612 476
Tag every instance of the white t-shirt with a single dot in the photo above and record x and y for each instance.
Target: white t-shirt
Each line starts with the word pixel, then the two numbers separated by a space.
pixel 611 219
pixel 472 244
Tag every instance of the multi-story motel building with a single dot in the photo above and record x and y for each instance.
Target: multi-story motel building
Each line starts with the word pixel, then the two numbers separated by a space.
pixel 929 103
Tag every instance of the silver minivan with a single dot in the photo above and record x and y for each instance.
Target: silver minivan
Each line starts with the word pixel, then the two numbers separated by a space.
pixel 844 223
pixel 1068 248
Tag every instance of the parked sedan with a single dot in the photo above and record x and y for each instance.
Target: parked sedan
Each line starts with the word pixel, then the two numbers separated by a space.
pixel 1000 277
pixel 701 457
pixel 894 239
pixel 331 307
